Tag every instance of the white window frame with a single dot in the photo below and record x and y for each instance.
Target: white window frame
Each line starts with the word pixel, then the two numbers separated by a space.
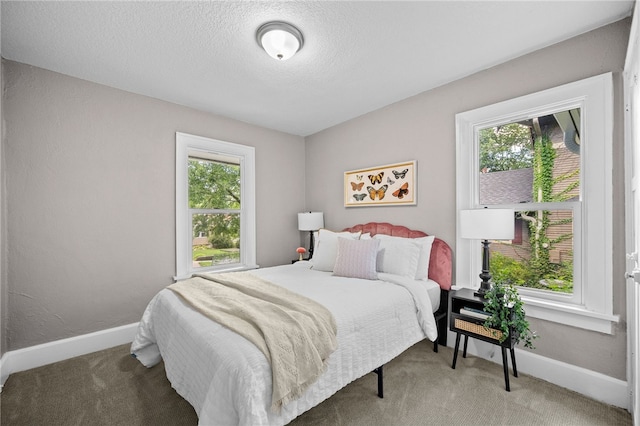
pixel 197 146
pixel 591 305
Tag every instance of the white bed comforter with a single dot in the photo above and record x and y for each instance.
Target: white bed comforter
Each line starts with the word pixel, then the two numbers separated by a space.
pixel 228 380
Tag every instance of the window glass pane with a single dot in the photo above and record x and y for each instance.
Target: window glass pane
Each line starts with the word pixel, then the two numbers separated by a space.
pixel 213 184
pixel 216 239
pixel 535 160
pixel 541 254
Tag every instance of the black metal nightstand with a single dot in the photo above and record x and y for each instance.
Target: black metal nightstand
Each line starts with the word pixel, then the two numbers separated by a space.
pixel 467 319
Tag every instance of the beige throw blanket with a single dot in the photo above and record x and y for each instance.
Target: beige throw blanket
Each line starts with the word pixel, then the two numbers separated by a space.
pixel 295 333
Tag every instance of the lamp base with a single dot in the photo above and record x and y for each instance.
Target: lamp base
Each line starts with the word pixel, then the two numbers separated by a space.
pixel 481 292
pixel 485 286
pixel 311 244
pixel 485 275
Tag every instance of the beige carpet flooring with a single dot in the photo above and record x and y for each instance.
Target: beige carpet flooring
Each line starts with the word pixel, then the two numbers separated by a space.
pixel 111 388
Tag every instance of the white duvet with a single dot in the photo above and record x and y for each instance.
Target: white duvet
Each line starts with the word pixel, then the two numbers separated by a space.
pixel 228 380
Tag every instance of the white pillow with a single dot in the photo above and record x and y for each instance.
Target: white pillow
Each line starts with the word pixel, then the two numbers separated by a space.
pixel 398 256
pixel 425 257
pixel 357 258
pixel 422 270
pixel 356 235
pixel 324 255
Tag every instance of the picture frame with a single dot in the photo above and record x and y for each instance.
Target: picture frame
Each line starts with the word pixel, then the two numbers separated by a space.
pixel 387 185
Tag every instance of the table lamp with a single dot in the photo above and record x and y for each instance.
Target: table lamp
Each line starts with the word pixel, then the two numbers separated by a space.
pixel 310 221
pixel 486 224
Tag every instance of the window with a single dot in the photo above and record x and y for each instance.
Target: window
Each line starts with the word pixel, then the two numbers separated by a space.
pixel 533 167
pixel 548 157
pixel 214 209
pixel 215 206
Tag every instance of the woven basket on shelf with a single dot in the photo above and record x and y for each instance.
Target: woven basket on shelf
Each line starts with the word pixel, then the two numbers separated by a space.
pixel 478 329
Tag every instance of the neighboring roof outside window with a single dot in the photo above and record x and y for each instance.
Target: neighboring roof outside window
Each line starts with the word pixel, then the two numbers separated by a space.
pixel 506 187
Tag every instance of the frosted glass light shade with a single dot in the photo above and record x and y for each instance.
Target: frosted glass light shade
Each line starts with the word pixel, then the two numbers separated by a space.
pixel 310 221
pixel 487 224
pixel 279 39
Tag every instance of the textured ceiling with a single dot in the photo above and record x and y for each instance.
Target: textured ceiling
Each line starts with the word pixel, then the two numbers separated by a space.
pixel 357 57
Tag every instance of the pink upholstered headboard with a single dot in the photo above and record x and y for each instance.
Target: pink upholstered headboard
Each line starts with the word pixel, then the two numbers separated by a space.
pixel 440 262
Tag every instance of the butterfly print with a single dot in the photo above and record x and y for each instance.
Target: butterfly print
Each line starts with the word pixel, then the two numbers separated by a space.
pixel 400 175
pixel 359 177
pixel 402 191
pixel 359 197
pixel 376 178
pixel 356 186
pixel 373 192
pixel 390 182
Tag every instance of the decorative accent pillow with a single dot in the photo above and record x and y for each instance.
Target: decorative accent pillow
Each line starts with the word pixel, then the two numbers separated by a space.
pixel 399 256
pixel 357 258
pixel 324 255
pixel 422 270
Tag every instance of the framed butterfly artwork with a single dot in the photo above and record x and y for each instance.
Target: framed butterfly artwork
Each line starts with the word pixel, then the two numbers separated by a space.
pixel 389 185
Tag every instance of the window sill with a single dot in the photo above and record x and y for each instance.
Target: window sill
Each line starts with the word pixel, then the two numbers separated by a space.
pixel 235 268
pixel 576 316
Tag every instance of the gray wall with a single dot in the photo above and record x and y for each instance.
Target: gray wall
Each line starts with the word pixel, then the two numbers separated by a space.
pixel 90 200
pixel 422 128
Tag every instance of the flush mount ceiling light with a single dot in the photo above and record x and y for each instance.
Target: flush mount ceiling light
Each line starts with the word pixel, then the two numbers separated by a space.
pixel 279 39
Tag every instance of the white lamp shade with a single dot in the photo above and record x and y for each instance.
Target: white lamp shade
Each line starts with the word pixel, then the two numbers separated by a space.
pixel 279 39
pixel 310 221
pixel 280 44
pixel 487 224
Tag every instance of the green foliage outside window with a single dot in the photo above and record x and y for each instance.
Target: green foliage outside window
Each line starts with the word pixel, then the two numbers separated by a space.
pixel 221 241
pixel 506 147
pixel 508 271
pixel 215 186
pixel 539 220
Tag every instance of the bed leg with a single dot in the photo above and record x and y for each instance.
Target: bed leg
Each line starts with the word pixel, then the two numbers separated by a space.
pixel 378 371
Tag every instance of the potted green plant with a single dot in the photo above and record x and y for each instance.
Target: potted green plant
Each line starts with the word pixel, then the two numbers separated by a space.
pixel 506 310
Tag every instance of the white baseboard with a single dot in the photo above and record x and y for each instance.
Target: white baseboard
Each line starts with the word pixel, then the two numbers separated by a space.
pixel 587 382
pixel 48 353
pixel 590 383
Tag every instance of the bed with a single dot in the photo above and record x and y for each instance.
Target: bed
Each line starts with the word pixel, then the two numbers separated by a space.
pixel 228 380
